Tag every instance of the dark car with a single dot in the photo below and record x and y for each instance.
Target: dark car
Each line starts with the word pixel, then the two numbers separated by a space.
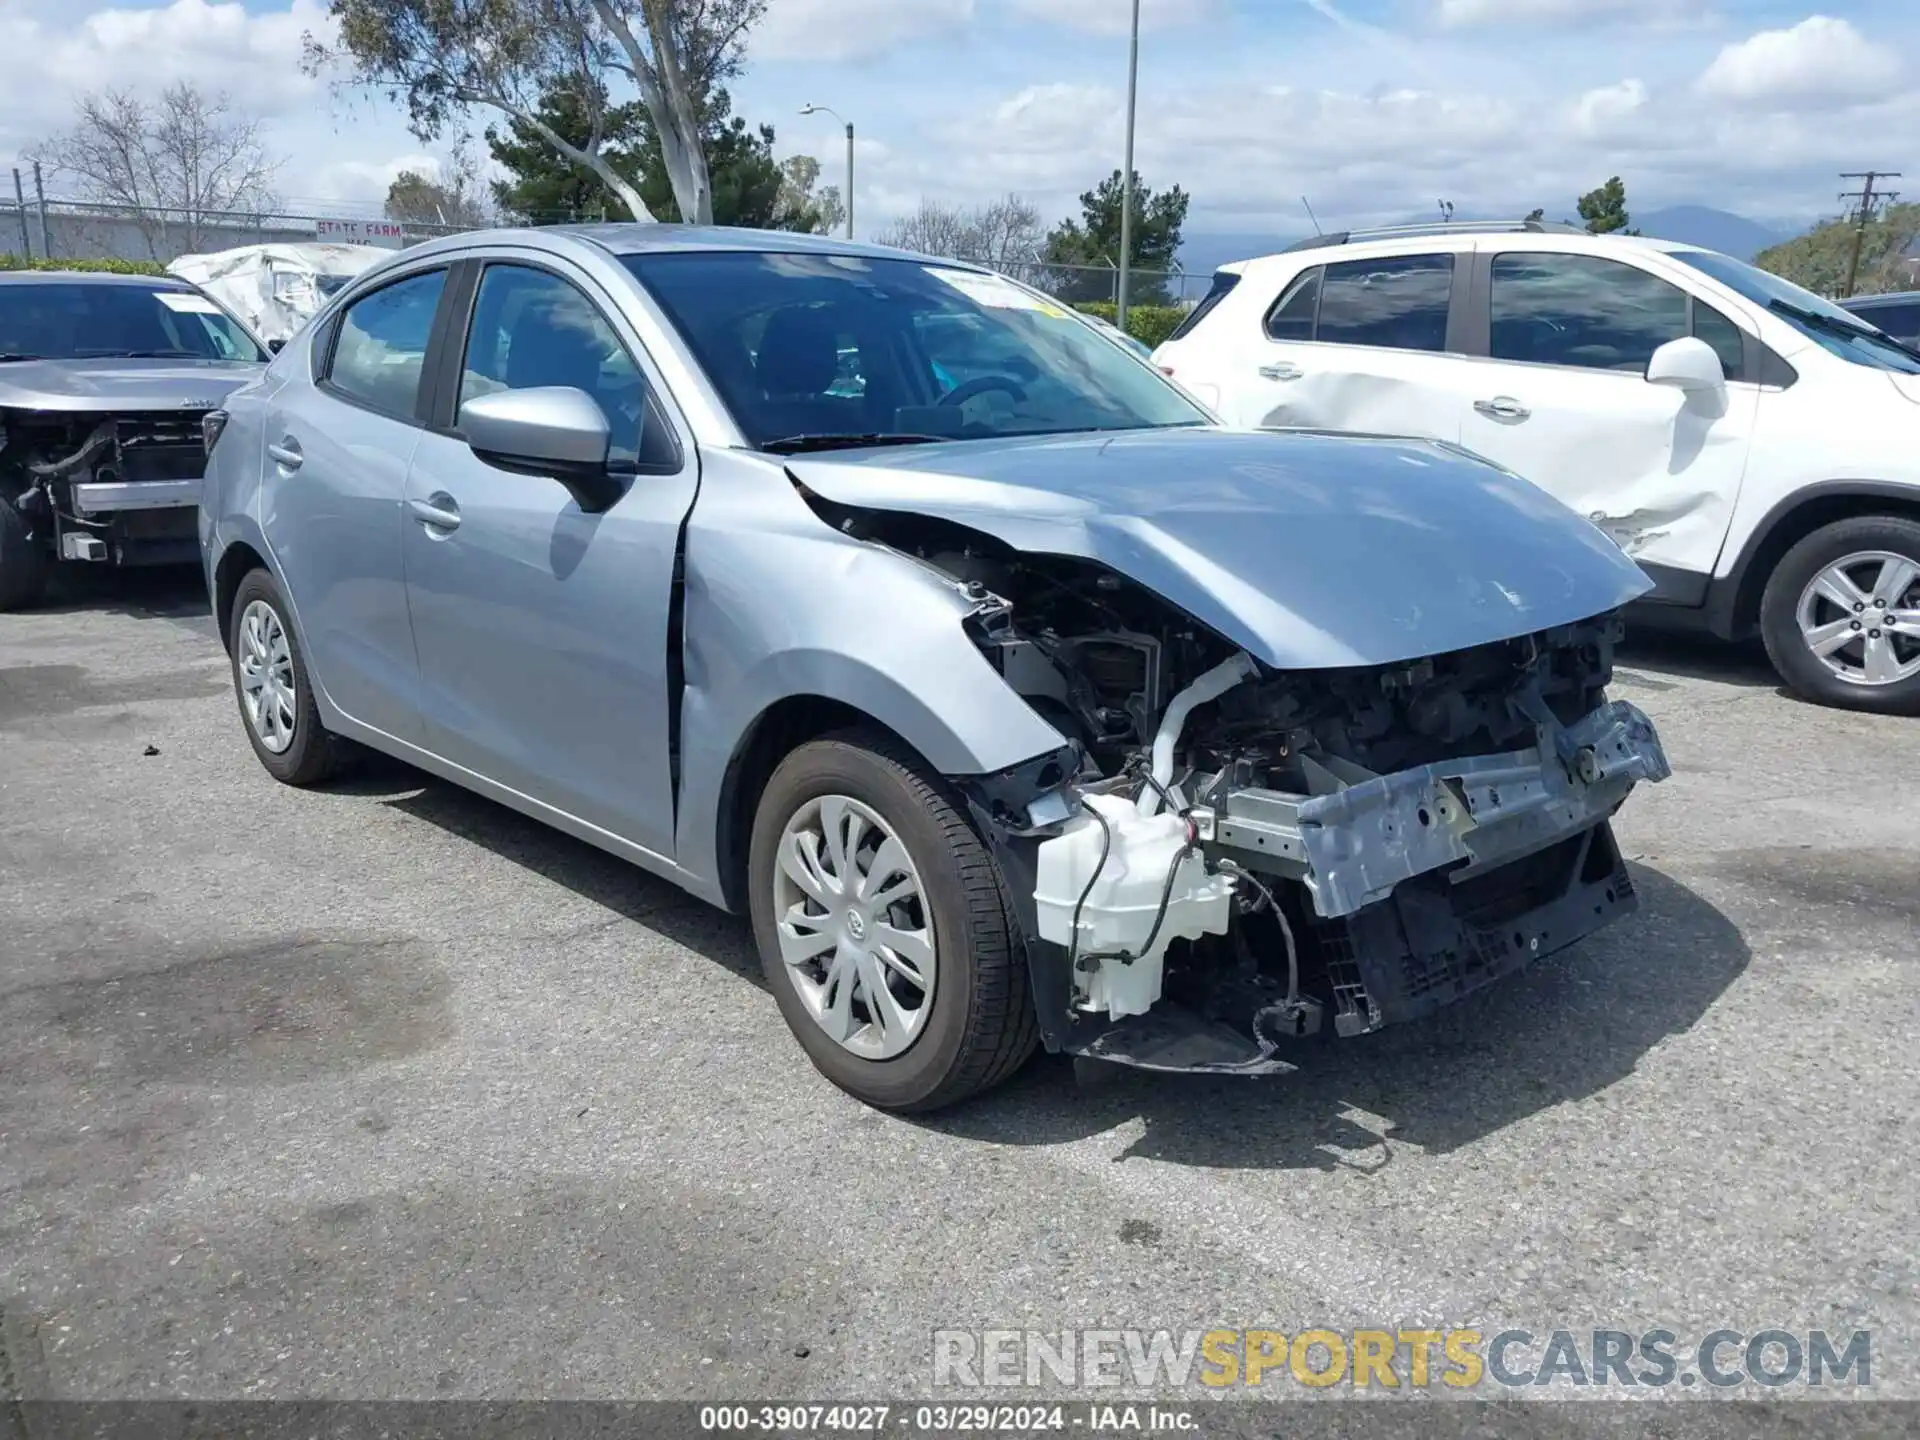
pixel 105 381
pixel 1897 314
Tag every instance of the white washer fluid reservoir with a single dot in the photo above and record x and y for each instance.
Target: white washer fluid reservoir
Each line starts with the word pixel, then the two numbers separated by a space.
pixel 1119 911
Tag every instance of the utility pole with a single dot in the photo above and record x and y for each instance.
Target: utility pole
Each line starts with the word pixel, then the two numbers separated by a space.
pixel 1867 199
pixel 1126 180
pixel 40 191
pixel 20 208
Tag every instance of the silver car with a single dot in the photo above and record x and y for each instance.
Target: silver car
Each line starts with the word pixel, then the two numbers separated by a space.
pixel 889 602
pixel 103 383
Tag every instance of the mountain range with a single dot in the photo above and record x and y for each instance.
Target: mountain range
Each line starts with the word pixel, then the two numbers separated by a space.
pixel 1201 252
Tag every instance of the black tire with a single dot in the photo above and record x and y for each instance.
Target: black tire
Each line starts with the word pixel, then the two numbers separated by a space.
pixel 981 1027
pixel 315 753
pixel 1780 626
pixel 24 564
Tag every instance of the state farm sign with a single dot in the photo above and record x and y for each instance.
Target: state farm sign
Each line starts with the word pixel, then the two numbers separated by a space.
pixel 388 233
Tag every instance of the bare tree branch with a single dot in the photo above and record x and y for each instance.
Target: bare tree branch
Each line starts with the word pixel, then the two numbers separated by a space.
pixel 176 163
pixel 1007 234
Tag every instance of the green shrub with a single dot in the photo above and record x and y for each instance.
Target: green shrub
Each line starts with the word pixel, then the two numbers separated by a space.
pixel 111 267
pixel 1149 324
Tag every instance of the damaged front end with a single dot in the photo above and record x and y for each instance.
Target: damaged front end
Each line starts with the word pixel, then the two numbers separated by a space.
pixel 1244 856
pixel 122 489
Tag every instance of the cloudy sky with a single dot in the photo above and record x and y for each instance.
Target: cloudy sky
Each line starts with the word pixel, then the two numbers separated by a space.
pixel 1372 108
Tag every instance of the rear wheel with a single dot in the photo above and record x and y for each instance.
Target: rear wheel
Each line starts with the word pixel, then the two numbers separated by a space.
pixel 275 695
pixel 1841 615
pixel 883 930
pixel 24 564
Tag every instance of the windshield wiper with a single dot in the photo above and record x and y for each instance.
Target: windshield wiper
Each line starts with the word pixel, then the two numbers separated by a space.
pixel 827 440
pixel 6 355
pixel 1845 329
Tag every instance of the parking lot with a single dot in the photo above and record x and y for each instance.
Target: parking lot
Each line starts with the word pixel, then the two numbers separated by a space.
pixel 384 1091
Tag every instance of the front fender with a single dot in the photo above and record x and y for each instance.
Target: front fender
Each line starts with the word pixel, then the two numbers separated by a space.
pixel 780 607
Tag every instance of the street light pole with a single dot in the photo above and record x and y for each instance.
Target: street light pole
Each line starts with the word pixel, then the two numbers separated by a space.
pixel 827 110
pixel 1126 181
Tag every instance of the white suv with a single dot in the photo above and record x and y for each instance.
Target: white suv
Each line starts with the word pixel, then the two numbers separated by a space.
pixel 1754 448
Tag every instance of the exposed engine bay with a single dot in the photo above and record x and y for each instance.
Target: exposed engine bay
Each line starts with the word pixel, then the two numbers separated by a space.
pixel 115 488
pixel 1241 854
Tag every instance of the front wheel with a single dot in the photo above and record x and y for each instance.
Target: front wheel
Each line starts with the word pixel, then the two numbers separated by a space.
pixel 883 930
pixel 1841 615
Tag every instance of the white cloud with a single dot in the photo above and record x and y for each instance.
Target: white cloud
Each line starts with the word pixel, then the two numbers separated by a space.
pixel 1460 14
pixel 1114 17
pixel 253 57
pixel 1604 109
pixel 1820 61
pixel 851 29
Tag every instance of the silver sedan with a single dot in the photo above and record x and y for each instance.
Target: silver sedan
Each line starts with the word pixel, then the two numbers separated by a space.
pixel 890 602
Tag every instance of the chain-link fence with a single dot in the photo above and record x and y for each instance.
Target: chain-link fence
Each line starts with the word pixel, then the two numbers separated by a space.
pixel 63 229
pixel 67 229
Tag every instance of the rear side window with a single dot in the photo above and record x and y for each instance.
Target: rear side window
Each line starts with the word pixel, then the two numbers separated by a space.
pixel 1223 283
pixel 1399 304
pixel 1292 317
pixel 1396 303
pixel 381 348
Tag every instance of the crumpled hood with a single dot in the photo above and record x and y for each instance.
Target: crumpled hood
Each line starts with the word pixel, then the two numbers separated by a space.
pixel 110 384
pixel 1312 551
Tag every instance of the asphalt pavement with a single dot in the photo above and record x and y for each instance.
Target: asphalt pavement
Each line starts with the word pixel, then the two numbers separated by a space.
pixel 383 1091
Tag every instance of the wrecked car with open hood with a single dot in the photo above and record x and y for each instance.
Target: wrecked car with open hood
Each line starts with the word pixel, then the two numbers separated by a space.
pixel 891 603
pixel 105 384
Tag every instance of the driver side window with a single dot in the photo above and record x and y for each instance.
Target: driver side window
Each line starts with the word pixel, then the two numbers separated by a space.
pixel 1581 311
pixel 530 328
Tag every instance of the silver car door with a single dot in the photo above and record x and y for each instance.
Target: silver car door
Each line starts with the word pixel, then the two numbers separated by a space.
pixel 334 480
pixel 542 628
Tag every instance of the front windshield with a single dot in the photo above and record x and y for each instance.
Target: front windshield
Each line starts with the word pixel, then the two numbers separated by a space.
pixel 82 320
pixel 1860 345
pixel 844 346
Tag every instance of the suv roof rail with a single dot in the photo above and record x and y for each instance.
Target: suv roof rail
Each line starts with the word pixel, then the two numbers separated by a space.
pixel 1435 227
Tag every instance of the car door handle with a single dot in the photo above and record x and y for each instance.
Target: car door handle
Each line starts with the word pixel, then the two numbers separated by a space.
pixel 286 454
pixel 1280 370
pixel 1502 407
pixel 437 511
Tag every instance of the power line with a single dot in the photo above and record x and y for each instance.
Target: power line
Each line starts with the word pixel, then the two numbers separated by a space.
pixel 1864 214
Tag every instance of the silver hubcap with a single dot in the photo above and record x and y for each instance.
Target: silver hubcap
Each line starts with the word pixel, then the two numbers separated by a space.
pixel 1861 618
pixel 266 676
pixel 854 927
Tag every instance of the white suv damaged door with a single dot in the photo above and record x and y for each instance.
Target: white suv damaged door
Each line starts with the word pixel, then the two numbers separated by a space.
pixel 1564 399
pixel 1358 345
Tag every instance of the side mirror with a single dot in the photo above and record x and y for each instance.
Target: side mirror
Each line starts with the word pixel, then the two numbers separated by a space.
pixel 1688 365
pixel 276 345
pixel 553 431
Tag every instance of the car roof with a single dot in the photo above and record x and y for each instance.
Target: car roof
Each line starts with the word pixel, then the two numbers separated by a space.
pixel 633 238
pixel 1362 245
pixel 91 277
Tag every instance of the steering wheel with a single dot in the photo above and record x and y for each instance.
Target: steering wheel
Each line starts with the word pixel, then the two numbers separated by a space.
pixel 980 385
